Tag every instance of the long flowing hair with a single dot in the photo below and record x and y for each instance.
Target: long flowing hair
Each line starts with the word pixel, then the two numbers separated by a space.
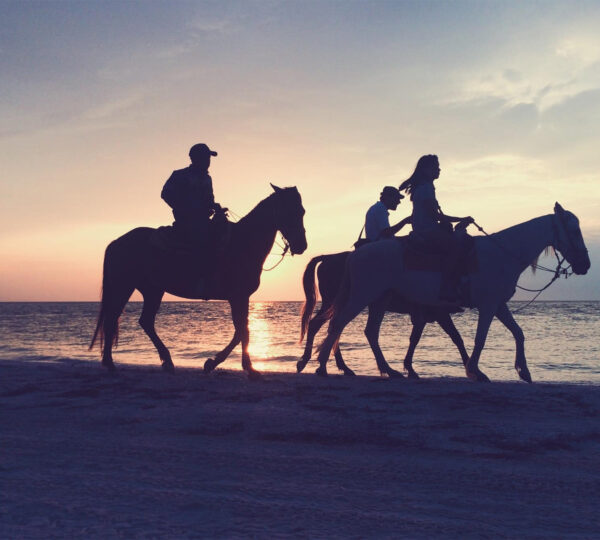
pixel 419 175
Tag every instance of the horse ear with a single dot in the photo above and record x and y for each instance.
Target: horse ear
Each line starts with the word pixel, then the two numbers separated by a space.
pixel 558 209
pixel 275 188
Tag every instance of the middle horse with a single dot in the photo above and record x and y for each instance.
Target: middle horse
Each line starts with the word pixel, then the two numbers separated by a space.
pixel 330 273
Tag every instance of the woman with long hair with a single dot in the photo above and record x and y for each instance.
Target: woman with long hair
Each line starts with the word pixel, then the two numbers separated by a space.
pixel 430 225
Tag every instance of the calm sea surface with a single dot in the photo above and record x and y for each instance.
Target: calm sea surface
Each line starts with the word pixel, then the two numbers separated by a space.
pixel 562 338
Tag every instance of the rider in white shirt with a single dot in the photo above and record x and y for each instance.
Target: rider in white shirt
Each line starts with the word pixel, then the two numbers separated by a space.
pixel 377 221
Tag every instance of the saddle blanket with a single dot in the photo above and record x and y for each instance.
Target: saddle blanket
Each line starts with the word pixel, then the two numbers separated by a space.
pixel 418 258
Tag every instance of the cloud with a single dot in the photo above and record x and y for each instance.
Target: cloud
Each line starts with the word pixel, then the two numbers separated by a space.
pixel 111 108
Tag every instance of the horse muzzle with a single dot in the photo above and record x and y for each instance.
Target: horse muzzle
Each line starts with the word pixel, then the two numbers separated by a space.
pixel 298 249
pixel 581 265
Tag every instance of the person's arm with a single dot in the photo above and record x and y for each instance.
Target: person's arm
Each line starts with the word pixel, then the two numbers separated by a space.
pixel 452 219
pixel 210 196
pixel 169 191
pixel 391 231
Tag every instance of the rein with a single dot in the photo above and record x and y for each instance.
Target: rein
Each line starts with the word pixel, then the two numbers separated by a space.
pixel 286 248
pixel 558 271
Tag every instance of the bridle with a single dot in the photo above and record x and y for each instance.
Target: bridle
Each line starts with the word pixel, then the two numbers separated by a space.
pixel 286 245
pixel 571 251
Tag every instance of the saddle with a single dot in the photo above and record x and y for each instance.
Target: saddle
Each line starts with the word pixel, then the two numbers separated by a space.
pixel 197 261
pixel 418 256
pixel 168 240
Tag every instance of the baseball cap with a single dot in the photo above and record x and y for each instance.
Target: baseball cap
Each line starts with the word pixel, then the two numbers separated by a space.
pixel 391 191
pixel 201 149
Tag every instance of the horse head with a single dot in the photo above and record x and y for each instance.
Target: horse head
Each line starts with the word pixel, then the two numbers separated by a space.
pixel 289 217
pixel 569 240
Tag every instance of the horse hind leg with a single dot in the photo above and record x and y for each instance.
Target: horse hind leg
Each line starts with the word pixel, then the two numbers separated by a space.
pixel 314 326
pixel 483 325
pixel 446 323
pixel 339 362
pixel 114 301
pixel 418 324
pixel 336 327
pixel 376 314
pixel 152 300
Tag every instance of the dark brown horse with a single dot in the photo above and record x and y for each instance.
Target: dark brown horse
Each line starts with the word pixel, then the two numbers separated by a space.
pixel 330 273
pixel 133 261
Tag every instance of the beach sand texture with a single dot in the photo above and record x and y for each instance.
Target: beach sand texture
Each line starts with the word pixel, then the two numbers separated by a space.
pixel 143 454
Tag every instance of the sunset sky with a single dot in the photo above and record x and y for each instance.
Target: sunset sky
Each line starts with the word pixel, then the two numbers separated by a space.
pixel 100 101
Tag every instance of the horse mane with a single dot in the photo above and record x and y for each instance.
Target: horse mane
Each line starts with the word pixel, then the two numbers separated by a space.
pixel 533 265
pixel 265 202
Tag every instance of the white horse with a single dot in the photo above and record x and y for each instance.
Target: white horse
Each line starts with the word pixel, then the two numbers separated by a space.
pixel 378 268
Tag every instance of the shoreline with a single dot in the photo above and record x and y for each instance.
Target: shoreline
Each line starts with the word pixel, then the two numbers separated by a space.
pixel 142 453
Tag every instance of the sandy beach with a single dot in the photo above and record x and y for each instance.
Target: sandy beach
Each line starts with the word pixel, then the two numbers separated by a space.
pixel 143 454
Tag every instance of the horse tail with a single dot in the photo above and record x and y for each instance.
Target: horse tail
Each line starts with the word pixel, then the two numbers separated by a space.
pixel 340 301
pixel 105 297
pixel 310 293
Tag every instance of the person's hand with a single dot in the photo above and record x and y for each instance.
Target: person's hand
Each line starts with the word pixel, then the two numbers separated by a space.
pixel 468 220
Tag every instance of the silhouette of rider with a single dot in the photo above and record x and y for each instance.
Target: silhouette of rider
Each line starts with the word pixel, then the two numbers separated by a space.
pixel 377 222
pixel 431 226
pixel 189 193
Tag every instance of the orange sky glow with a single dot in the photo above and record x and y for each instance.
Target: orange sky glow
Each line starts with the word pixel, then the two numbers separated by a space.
pixel 101 101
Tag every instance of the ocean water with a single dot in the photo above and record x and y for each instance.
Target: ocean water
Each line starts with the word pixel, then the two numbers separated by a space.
pixel 562 338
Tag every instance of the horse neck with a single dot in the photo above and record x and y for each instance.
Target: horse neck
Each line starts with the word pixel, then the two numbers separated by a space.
pixel 256 231
pixel 524 242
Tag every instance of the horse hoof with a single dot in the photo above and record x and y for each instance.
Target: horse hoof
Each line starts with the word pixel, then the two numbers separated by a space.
pixel 300 365
pixel 321 371
pixel 168 367
pixel 349 372
pixel 394 374
pixel 524 374
pixel 110 366
pixel 478 376
pixel 412 374
pixel 209 365
pixel 253 375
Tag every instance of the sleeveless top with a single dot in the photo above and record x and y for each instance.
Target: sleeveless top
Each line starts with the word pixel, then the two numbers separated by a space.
pixel 422 218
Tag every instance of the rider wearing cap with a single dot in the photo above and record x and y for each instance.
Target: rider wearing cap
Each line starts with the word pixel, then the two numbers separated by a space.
pixel 189 193
pixel 377 221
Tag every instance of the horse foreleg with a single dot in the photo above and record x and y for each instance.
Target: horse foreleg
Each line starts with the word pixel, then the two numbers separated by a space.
pixel 447 324
pixel 152 300
pixel 376 314
pixel 239 313
pixel 220 357
pixel 418 324
pixel 483 326
pixel 110 325
pixel 314 326
pixel 505 317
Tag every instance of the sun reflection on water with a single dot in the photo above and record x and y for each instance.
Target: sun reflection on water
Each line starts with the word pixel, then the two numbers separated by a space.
pixel 260 335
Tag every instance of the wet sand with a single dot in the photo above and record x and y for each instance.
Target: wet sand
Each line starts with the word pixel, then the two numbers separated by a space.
pixel 143 454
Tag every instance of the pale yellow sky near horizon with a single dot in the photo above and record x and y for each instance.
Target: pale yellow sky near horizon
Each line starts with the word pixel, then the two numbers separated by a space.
pixel 101 101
